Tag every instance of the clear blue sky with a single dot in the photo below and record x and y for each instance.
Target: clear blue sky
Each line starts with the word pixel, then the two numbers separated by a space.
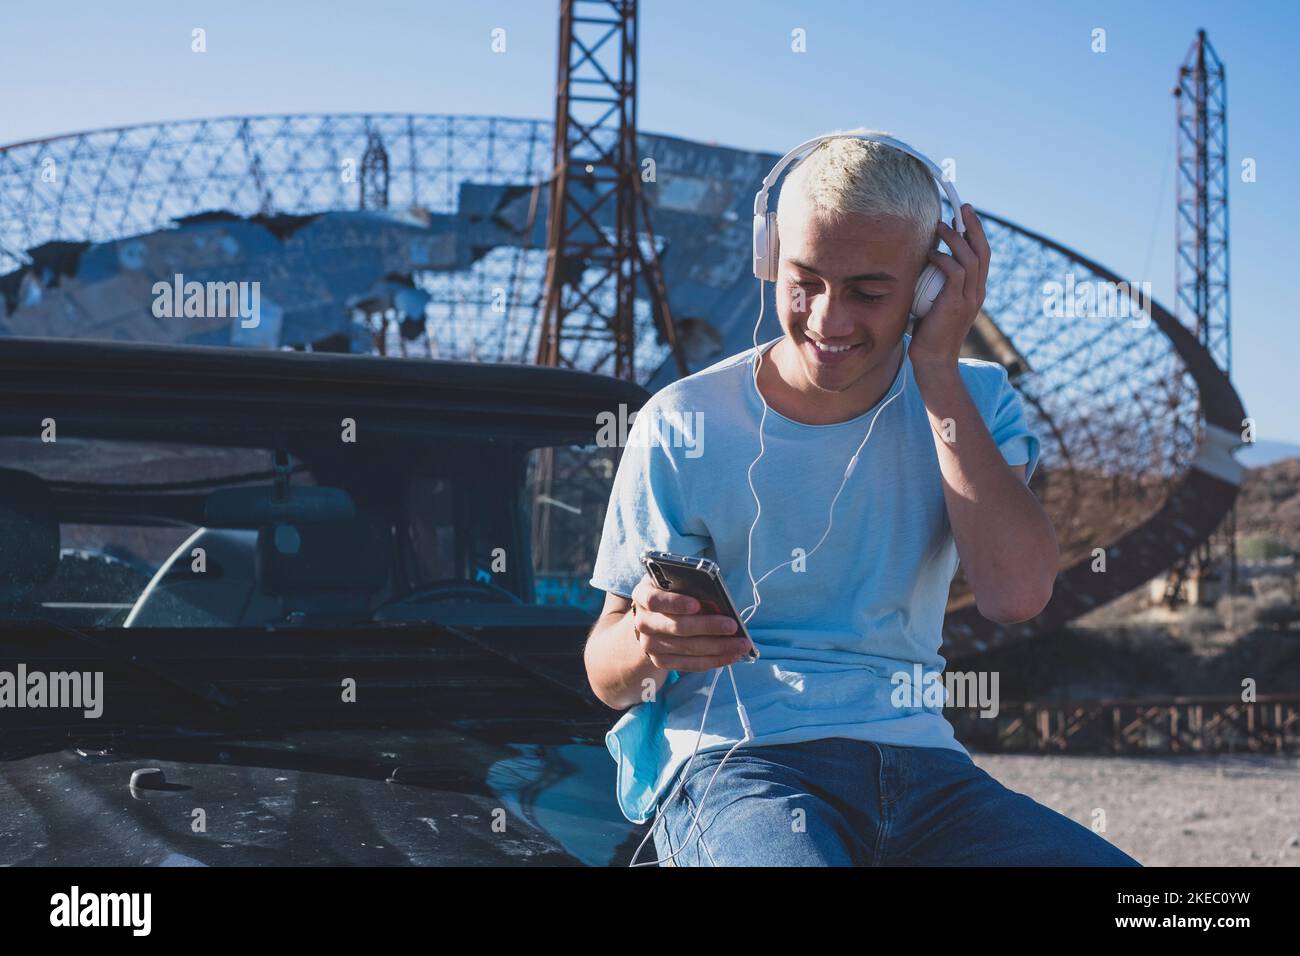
pixel 1045 132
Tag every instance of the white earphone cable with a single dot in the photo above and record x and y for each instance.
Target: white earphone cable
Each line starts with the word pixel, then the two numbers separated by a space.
pixel 830 517
pixel 749 612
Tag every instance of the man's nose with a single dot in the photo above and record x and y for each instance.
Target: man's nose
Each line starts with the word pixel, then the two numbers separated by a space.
pixel 827 319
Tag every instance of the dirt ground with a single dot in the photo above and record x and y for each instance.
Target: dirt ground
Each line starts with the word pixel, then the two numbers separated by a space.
pixel 1217 810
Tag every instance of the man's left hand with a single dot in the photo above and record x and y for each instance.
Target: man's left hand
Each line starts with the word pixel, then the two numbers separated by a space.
pixel 938 337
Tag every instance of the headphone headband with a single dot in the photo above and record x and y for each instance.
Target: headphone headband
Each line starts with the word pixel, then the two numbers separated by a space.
pixel 767 244
pixel 760 198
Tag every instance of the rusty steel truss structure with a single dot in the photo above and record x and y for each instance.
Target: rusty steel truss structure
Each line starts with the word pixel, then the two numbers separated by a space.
pixel 1201 278
pixel 597 167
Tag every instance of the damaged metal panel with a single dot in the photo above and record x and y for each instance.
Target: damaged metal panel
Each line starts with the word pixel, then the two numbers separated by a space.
pixel 305 277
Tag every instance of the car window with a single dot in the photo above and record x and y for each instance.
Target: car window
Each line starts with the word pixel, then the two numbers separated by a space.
pixel 87 524
pixel 567 493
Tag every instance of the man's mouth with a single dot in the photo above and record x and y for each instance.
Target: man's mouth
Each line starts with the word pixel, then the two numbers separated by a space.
pixel 831 351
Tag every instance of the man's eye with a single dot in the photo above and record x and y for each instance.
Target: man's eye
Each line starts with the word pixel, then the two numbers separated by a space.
pixel 868 297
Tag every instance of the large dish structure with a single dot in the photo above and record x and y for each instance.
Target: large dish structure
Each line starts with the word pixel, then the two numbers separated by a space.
pixel 1137 421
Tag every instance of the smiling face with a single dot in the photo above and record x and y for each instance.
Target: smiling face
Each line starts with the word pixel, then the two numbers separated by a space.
pixel 844 283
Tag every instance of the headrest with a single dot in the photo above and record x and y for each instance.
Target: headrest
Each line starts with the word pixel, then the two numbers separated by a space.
pixel 29 535
pixel 343 556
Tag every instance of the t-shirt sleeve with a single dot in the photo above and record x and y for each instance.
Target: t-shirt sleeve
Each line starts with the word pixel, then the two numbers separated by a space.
pixel 1011 432
pixel 646 510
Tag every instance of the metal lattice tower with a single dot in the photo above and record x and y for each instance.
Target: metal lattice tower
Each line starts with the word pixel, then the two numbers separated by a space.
pixel 590 291
pixel 592 269
pixel 1201 272
pixel 374 174
pixel 1202 264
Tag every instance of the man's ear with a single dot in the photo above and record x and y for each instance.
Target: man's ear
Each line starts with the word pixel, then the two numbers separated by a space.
pixel 932 246
pixel 925 257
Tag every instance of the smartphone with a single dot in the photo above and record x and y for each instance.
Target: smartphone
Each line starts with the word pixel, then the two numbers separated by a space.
pixel 702 580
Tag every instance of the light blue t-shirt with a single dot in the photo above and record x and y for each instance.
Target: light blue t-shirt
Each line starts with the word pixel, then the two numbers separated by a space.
pixel 831 629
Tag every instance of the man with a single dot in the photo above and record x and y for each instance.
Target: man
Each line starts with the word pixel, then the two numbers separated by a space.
pixel 841 769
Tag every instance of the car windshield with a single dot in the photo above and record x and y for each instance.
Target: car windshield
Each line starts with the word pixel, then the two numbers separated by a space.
pixel 197 532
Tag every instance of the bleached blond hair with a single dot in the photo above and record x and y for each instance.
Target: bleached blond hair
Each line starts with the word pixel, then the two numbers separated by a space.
pixel 843 176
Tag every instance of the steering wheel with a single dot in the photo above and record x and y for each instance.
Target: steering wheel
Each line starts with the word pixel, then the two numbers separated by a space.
pixel 450 589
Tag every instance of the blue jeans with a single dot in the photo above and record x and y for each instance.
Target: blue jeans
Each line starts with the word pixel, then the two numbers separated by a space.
pixel 842 802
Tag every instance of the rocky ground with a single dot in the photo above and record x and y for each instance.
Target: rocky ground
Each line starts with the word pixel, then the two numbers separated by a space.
pixel 1224 810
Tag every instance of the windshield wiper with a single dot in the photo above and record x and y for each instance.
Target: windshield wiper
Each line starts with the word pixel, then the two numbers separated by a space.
pixel 211 697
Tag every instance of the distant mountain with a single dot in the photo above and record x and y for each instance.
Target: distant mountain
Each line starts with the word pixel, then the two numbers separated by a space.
pixel 1269 502
pixel 1266 452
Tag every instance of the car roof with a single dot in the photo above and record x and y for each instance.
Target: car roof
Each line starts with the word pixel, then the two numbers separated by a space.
pixel 125 376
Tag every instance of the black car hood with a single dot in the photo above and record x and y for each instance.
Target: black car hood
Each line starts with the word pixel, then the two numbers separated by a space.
pixel 463 794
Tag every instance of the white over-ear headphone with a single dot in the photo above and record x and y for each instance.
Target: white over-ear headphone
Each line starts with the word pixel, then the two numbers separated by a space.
pixel 767 244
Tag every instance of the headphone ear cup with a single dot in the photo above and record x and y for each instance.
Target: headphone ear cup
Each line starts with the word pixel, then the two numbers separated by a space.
pixel 928 286
pixel 773 247
pixel 766 247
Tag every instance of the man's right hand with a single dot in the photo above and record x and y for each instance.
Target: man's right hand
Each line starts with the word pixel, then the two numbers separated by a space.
pixel 676 635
